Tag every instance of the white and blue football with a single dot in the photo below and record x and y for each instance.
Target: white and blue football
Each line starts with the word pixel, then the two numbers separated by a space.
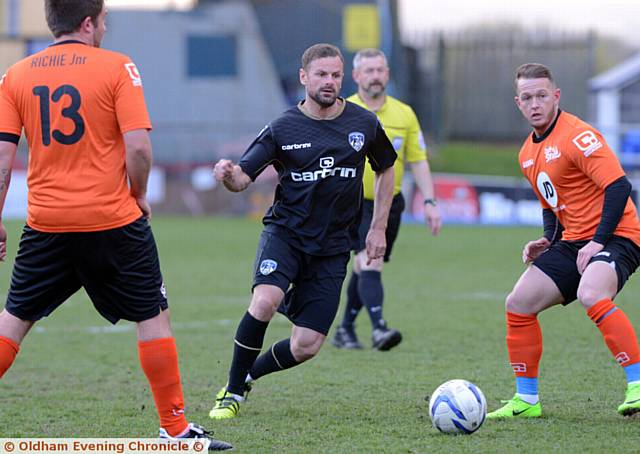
pixel 457 407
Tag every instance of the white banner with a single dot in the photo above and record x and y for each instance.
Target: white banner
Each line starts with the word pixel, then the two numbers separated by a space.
pixel 101 445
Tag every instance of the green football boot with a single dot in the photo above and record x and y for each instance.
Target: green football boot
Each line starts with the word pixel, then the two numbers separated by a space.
pixel 631 404
pixel 227 404
pixel 516 408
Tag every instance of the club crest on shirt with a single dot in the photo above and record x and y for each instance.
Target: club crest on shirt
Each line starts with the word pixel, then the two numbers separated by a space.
pixel 356 140
pixel 551 153
pixel 268 266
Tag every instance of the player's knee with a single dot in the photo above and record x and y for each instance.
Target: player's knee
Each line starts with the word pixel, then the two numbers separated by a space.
pixel 518 303
pixel 305 349
pixel 588 295
pixel 263 307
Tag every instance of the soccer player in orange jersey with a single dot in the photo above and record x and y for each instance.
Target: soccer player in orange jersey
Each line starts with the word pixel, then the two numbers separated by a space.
pixel 590 245
pixel 84 116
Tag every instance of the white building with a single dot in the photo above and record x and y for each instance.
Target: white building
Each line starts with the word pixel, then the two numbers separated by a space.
pixel 616 109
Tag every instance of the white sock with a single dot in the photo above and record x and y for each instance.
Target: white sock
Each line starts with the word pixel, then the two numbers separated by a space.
pixel 236 397
pixel 531 399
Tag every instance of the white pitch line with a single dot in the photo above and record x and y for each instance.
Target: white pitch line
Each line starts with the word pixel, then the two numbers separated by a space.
pixel 130 327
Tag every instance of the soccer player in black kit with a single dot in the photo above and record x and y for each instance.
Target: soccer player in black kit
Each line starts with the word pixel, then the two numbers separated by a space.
pixel 318 149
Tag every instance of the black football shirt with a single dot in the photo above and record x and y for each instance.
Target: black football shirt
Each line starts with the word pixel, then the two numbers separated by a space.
pixel 320 163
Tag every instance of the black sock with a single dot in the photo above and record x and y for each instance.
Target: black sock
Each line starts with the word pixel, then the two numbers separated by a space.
pixel 372 294
pixel 247 346
pixel 276 358
pixel 354 304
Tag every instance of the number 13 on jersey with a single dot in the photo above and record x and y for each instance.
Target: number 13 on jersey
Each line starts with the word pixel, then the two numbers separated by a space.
pixel 70 112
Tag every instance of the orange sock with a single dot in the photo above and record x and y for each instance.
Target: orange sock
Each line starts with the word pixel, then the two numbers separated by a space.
pixel 524 342
pixel 617 331
pixel 8 351
pixel 159 360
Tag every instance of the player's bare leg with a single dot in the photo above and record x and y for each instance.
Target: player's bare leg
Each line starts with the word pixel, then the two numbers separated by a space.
pixel 12 331
pixel 533 293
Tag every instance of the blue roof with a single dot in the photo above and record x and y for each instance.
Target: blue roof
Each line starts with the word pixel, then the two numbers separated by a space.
pixel 618 77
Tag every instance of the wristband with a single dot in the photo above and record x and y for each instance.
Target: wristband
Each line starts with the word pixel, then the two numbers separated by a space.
pixel 430 202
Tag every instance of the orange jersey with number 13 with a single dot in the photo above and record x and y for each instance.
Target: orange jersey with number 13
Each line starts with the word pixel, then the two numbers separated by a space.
pixel 569 168
pixel 75 102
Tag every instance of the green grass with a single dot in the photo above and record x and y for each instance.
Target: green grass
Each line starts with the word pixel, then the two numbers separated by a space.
pixel 476 158
pixel 72 379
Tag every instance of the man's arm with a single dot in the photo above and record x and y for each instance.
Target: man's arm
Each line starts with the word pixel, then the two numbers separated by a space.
pixel 376 240
pixel 231 175
pixel 138 164
pixel 7 155
pixel 616 196
pixel 422 175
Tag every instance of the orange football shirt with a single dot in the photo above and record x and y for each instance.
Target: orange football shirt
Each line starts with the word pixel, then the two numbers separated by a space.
pixel 569 169
pixel 74 102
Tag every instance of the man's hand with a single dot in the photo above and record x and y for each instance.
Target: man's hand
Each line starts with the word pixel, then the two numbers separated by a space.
pixel 144 206
pixel 3 242
pixel 223 170
pixel 376 244
pixel 585 254
pixel 432 218
pixel 533 249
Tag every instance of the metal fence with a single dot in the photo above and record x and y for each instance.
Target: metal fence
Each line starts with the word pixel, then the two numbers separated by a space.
pixel 465 85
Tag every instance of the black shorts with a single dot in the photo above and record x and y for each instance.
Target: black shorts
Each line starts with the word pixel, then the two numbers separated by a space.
pixel 559 263
pixel 312 284
pixel 393 225
pixel 118 268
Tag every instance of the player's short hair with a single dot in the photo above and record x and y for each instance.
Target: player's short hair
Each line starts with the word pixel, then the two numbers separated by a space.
pixel 321 50
pixel 533 71
pixel 367 53
pixel 66 16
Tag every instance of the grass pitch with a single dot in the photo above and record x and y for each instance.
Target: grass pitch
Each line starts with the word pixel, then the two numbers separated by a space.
pixel 77 376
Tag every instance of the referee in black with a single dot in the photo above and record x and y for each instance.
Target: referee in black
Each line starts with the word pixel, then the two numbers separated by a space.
pixel 318 149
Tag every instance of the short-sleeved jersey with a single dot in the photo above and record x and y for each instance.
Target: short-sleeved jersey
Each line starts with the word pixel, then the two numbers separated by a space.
pixel 320 163
pixel 403 129
pixel 74 102
pixel 569 168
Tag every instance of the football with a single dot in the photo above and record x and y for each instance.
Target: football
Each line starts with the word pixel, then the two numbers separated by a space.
pixel 457 407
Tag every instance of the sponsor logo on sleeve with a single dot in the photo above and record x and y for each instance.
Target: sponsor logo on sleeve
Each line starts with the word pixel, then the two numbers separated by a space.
pixel 527 163
pixel 132 69
pixel 268 266
pixel 356 140
pixel 587 142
